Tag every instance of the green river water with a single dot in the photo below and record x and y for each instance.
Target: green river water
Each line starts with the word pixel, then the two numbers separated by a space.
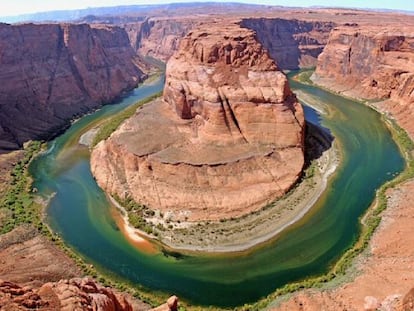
pixel 81 215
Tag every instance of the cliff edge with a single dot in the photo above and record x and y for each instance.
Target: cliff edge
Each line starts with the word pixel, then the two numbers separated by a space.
pixel 374 63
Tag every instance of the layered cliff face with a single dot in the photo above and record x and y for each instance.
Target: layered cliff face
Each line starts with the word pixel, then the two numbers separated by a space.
pixel 51 73
pixel 159 37
pixel 372 63
pixel 226 140
pixel 369 62
pixel 292 43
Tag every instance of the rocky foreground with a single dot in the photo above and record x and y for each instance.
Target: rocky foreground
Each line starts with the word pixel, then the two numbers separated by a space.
pixel 35 275
pixel 225 140
pixel 74 294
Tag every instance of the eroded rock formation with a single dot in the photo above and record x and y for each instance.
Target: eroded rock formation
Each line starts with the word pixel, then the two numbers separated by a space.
pixel 369 62
pixel 293 43
pixel 226 140
pixel 159 37
pixel 373 63
pixel 51 73
pixel 73 294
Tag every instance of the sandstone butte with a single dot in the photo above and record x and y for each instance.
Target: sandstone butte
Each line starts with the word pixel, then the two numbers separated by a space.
pixel 225 140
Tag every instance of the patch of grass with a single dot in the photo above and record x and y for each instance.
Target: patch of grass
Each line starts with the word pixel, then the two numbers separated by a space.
pixel 112 123
pixel 18 203
pixel 305 76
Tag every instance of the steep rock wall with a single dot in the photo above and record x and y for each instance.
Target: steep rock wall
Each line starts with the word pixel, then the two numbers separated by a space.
pixel 159 37
pixel 52 73
pixel 292 43
pixel 226 140
pixel 372 63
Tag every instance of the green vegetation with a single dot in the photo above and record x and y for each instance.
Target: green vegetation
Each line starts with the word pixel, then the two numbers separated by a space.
pixel 137 213
pixel 20 206
pixel 112 123
pixel 18 203
pixel 160 65
pixel 305 76
pixel 107 279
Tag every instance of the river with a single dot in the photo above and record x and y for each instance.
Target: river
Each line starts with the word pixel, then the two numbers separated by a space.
pixel 79 212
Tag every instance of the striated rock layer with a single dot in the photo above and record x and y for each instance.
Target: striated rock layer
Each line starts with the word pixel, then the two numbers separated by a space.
pixel 293 43
pixel 159 37
pixel 373 63
pixel 51 73
pixel 226 140
pixel 73 294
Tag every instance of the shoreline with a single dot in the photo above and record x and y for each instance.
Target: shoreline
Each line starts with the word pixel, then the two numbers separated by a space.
pixel 380 255
pixel 138 238
pixel 344 255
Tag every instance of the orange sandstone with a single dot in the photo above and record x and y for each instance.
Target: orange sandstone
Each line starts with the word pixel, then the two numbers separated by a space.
pixel 226 139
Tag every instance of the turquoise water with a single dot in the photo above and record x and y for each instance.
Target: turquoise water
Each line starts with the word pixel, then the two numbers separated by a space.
pixel 81 215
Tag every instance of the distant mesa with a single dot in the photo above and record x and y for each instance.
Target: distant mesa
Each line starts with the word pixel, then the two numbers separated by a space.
pixel 225 139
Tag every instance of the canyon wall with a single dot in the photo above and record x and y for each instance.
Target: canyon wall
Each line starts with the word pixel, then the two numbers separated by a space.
pixel 159 37
pixel 373 63
pixel 292 43
pixel 52 73
pixel 226 140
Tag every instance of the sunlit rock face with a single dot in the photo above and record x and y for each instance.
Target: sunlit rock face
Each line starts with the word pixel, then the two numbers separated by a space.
pixel 374 63
pixel 226 139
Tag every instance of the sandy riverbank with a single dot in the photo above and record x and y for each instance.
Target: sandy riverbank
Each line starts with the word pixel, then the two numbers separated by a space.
pixel 87 138
pixel 136 237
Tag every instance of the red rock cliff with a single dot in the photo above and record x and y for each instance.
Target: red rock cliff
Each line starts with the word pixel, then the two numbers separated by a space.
pixel 73 294
pixel 373 63
pixel 292 43
pixel 226 140
pixel 159 37
pixel 51 73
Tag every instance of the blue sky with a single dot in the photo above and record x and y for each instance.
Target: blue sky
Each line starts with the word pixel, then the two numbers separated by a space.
pixel 15 7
